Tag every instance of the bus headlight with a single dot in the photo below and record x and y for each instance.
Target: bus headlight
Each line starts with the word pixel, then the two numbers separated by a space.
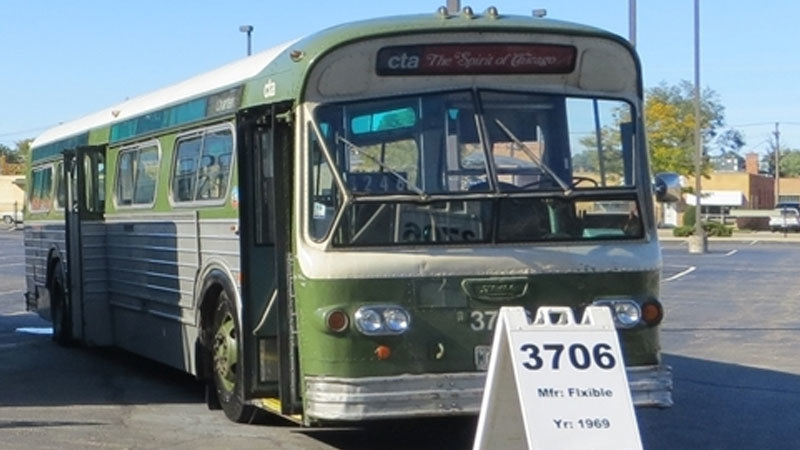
pixel 382 320
pixel 396 319
pixel 626 313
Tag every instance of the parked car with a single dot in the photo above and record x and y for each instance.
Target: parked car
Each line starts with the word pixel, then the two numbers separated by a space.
pixel 9 217
pixel 785 219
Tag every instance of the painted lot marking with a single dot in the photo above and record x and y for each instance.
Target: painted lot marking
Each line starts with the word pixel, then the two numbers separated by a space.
pixel 732 252
pixel 11 292
pixel 39 331
pixel 680 274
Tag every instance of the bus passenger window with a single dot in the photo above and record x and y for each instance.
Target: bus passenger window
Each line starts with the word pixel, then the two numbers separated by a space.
pixel 61 188
pixel 41 195
pixel 215 165
pixel 186 169
pixel 203 166
pixel 136 176
pixel 146 176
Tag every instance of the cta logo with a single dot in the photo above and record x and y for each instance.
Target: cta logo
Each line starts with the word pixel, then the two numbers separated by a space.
pixel 403 61
pixel 399 60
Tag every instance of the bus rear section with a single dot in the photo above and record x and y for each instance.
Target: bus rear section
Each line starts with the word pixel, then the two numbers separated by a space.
pixel 443 175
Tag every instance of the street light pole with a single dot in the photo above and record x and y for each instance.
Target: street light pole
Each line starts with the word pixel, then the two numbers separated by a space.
pixel 777 164
pixel 249 30
pixel 698 242
pixel 632 22
pixel 453 6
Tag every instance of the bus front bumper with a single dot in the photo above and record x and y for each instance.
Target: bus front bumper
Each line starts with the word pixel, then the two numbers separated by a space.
pixel 450 394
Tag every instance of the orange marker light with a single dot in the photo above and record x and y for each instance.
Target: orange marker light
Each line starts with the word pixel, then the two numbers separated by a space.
pixel 383 352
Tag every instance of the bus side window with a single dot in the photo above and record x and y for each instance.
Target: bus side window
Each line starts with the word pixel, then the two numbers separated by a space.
pixel 136 179
pixel 61 188
pixel 41 195
pixel 215 165
pixel 125 178
pixel 183 181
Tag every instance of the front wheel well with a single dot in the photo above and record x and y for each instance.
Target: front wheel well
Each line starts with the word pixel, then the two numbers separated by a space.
pixel 215 282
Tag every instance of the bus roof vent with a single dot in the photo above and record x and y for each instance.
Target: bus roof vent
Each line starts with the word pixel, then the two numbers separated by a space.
pixel 442 11
pixel 492 13
pixel 539 13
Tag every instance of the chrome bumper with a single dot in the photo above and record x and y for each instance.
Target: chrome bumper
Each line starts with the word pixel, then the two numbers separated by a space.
pixel 451 394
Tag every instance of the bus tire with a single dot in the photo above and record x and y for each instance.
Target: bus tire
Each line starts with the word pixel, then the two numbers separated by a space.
pixel 227 376
pixel 59 308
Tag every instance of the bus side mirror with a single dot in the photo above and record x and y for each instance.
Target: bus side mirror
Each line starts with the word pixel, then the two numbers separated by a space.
pixel 667 187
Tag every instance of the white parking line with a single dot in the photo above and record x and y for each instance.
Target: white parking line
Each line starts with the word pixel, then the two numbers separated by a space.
pixel 12 264
pixel 754 242
pixel 678 275
pixel 11 292
pixel 732 252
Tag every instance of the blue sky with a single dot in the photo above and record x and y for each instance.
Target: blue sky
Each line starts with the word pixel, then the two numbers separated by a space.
pixel 60 60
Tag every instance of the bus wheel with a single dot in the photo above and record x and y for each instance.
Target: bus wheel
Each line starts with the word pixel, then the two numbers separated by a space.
pixel 228 374
pixel 59 308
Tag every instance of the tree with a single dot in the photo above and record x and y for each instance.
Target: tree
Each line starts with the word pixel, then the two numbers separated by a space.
pixel 669 121
pixel 790 162
pixel 12 162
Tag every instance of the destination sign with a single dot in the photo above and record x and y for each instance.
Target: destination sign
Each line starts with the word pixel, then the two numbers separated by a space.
pixel 475 59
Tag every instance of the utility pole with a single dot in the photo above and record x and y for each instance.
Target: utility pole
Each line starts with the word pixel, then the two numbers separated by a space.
pixel 697 242
pixel 777 134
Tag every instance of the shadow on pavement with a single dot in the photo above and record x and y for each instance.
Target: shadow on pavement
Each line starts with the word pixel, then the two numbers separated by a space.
pixel 418 434
pixel 34 371
pixel 723 406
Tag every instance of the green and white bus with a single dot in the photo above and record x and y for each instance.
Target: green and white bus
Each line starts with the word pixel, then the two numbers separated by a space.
pixel 326 230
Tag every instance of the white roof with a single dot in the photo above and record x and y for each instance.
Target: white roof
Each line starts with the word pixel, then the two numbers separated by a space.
pixel 227 75
pixel 717 198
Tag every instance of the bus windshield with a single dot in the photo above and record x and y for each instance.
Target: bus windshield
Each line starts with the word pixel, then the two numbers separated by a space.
pixel 473 166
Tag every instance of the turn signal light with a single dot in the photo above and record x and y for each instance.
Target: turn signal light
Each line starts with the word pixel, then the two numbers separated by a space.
pixel 652 312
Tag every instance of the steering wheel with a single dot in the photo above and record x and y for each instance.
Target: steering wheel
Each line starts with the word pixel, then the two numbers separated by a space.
pixel 576 180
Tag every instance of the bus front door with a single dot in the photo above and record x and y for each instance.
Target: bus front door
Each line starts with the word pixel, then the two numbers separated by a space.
pixel 84 172
pixel 265 168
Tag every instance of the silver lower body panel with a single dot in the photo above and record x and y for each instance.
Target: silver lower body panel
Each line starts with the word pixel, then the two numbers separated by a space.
pixel 449 394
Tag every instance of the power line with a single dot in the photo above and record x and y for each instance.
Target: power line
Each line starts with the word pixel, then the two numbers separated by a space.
pixel 30 130
pixel 762 124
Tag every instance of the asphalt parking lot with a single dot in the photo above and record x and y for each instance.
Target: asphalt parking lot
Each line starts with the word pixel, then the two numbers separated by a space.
pixel 731 329
pixel 730 333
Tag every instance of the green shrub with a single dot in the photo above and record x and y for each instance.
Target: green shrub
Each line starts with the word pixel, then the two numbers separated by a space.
pixel 711 229
pixel 683 231
pixel 717 229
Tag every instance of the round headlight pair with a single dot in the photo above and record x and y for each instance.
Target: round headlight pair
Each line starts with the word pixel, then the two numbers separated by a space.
pixel 378 320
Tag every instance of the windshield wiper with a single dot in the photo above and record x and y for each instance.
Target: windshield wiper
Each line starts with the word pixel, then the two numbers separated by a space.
pixel 564 186
pixel 360 151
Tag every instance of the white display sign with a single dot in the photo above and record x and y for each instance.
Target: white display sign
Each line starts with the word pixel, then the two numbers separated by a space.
pixel 556 384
